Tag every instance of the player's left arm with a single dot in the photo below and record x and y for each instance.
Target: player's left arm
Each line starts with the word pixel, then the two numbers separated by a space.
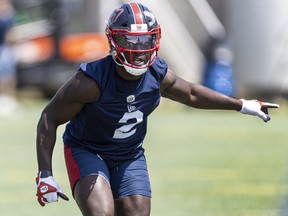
pixel 195 95
pixel 198 96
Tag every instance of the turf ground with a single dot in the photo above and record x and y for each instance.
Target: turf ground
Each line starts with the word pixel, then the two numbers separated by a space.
pixel 204 163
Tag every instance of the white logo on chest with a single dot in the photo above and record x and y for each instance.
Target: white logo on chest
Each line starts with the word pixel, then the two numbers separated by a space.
pixel 130 98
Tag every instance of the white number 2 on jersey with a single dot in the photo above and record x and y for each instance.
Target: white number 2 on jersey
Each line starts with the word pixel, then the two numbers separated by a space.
pixel 126 130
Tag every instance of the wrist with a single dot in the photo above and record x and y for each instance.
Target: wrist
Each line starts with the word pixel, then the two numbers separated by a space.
pixel 242 101
pixel 44 173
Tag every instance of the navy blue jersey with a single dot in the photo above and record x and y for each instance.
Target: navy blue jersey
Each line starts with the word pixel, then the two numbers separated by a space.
pixel 115 126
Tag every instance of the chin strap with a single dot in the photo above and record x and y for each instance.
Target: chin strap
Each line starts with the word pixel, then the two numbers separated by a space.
pixel 135 71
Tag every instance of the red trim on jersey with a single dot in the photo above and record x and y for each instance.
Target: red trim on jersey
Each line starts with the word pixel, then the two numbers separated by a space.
pixel 137 13
pixel 72 167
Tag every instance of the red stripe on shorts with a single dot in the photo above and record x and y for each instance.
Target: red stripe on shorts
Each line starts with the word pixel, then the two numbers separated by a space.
pixel 72 167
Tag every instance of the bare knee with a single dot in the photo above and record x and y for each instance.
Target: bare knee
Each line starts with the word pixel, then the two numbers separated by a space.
pixel 135 205
pixel 94 197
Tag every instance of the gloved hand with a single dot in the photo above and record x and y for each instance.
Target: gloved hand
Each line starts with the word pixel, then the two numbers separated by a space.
pixel 48 190
pixel 257 108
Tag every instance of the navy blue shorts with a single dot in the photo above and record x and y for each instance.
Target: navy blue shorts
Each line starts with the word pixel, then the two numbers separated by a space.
pixel 125 178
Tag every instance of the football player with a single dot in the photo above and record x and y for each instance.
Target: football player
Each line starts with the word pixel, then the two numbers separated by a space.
pixel 106 104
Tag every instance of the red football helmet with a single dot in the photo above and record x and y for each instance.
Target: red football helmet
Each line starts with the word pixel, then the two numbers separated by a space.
pixel 134 36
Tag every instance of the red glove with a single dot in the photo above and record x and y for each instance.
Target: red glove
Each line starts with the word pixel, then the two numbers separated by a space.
pixel 48 190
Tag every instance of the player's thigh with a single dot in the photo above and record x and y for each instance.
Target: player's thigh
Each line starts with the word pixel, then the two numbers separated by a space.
pixel 93 196
pixel 131 187
pixel 90 181
pixel 130 178
pixel 133 205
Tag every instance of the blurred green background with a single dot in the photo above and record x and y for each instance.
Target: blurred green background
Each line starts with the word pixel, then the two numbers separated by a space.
pixel 201 163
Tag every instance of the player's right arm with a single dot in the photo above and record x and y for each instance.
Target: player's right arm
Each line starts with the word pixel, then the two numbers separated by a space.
pixel 67 102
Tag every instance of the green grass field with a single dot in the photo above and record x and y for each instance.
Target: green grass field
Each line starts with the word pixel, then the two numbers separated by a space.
pixel 204 163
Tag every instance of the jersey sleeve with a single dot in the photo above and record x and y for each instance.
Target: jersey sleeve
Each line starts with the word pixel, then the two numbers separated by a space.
pixel 91 70
pixel 97 70
pixel 160 67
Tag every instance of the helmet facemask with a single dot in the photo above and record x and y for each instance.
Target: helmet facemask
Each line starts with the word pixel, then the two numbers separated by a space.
pixel 135 51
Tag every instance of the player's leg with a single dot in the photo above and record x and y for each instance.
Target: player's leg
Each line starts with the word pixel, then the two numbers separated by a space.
pixel 89 181
pixel 131 187
pixel 93 196
pixel 133 205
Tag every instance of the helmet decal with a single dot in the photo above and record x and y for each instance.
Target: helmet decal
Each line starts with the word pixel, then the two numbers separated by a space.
pixel 151 16
pixel 116 14
pixel 139 28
